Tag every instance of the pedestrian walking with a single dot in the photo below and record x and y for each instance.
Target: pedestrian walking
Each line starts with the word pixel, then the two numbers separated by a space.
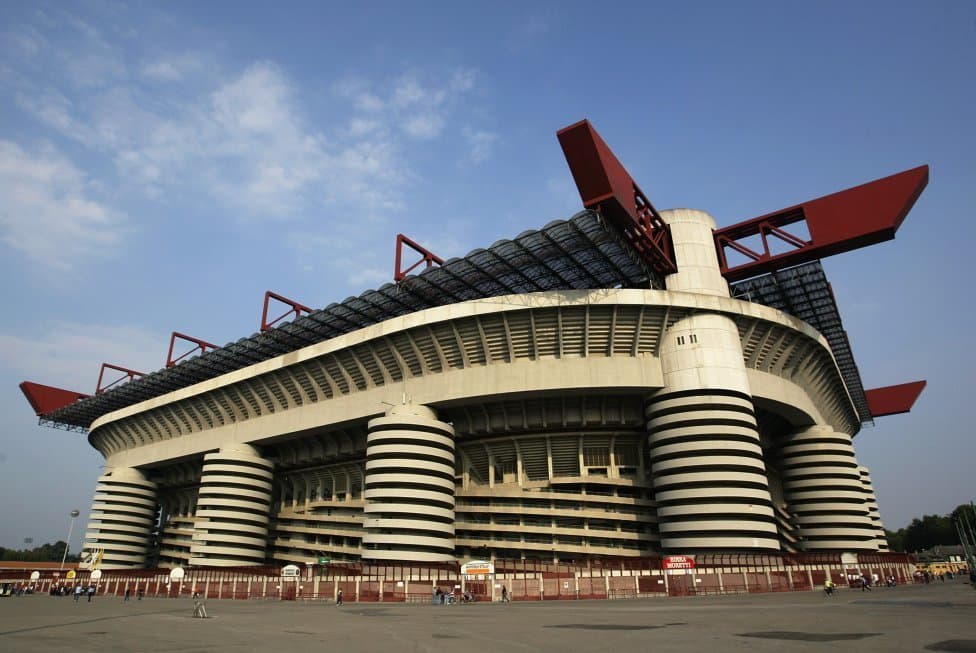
pixel 78 591
pixel 91 592
pixel 339 598
pixel 128 593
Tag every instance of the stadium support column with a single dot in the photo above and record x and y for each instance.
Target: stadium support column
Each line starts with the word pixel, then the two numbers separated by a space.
pixel 880 539
pixel 409 512
pixel 122 518
pixel 707 464
pixel 231 526
pixel 822 486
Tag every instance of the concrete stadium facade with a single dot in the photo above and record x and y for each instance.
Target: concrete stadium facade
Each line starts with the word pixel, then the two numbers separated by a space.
pixel 554 425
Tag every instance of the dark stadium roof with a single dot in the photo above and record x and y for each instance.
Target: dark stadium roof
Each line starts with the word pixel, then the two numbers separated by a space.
pixel 804 292
pixel 577 254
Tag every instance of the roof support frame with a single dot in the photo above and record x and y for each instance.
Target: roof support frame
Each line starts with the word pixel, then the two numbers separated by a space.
pixel 295 308
pixel 200 345
pixel 127 374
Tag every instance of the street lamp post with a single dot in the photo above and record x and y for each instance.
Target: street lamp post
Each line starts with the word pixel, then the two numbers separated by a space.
pixel 74 514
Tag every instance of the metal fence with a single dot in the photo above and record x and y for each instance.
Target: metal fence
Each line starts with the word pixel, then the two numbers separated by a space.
pixel 522 580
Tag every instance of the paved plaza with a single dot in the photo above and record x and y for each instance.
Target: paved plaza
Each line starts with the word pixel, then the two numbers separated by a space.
pixel 938 617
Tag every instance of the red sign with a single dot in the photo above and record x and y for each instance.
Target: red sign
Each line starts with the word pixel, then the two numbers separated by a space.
pixel 678 562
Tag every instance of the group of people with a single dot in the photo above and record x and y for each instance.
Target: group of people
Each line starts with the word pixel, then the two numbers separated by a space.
pixel 863 581
pixel 452 596
pixel 66 589
pixel 83 591
pixel 926 576
pixel 128 594
pixel 443 597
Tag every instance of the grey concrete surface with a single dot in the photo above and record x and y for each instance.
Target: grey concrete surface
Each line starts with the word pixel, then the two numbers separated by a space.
pixel 938 617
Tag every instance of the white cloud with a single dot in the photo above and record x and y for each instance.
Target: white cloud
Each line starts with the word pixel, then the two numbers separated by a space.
pixel 528 32
pixel 245 141
pixel 89 61
pixel 369 277
pixel 47 213
pixel 165 71
pixel 69 355
pixel 172 68
pixel 463 80
pixel 369 103
pixel 259 101
pixel 27 42
pixel 422 110
pixel 424 126
pixel 481 144
pixel 177 126
pixel 52 108
pixel 363 126
pixel 357 91
pixel 409 92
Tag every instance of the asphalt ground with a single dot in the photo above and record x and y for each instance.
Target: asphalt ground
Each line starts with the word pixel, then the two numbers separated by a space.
pixel 936 617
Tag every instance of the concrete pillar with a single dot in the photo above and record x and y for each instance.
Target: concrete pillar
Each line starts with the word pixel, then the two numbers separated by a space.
pixel 409 487
pixel 231 527
pixel 822 486
pixel 122 518
pixel 706 460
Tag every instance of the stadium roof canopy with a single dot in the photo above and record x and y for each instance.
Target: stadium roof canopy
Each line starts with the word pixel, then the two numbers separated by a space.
pixel 581 253
pixel 803 292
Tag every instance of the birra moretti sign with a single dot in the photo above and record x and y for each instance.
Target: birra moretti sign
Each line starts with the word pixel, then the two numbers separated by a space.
pixel 477 567
pixel 678 562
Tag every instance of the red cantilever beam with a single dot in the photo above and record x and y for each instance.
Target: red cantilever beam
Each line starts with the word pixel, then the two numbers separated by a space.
pixel 399 274
pixel 606 186
pixel 202 345
pixel 853 218
pixel 46 399
pixel 893 399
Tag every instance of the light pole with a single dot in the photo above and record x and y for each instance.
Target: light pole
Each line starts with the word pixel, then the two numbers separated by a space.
pixel 74 513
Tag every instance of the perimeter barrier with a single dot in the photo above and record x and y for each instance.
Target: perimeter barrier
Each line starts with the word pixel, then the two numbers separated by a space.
pixel 524 580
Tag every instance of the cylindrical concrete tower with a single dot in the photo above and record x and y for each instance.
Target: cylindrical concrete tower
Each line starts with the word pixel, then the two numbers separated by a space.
pixel 706 460
pixel 409 489
pixel 231 525
pixel 881 540
pixel 122 518
pixel 822 485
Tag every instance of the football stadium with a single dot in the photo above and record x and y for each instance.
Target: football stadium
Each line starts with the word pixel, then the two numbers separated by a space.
pixel 626 388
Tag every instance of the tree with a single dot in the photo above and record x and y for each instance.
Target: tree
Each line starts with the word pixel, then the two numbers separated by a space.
pixel 930 530
pixel 44 553
pixel 896 539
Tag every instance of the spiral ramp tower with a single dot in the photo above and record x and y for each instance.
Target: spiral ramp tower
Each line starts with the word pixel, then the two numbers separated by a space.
pixel 409 487
pixel 822 484
pixel 122 519
pixel 231 527
pixel 881 539
pixel 706 460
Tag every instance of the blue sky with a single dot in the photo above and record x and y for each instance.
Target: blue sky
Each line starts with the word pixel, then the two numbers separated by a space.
pixel 161 166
